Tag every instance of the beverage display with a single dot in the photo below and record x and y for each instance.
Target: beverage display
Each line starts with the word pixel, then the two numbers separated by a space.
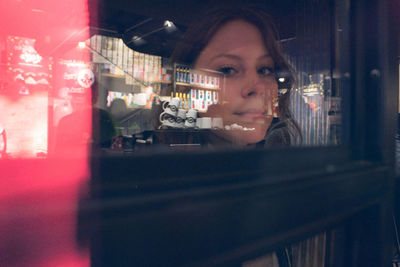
pixel 194 77
pixel 198 89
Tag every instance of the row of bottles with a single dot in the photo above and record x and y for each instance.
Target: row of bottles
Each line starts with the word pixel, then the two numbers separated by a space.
pixel 184 99
pixel 197 99
pixel 186 75
pixel 182 74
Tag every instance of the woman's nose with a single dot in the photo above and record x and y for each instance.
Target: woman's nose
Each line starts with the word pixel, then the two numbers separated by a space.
pixel 254 85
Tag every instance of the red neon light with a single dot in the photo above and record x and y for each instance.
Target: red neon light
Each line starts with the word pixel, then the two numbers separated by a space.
pixel 41 185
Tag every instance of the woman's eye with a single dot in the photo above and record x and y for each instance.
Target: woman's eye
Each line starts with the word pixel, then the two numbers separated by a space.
pixel 228 71
pixel 266 71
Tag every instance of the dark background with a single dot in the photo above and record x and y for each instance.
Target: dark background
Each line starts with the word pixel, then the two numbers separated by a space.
pixel 125 19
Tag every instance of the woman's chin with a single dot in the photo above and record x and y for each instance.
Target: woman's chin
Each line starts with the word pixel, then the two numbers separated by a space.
pixel 244 131
pixel 247 135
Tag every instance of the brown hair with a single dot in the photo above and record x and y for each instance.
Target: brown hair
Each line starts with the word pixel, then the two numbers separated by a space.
pixel 202 30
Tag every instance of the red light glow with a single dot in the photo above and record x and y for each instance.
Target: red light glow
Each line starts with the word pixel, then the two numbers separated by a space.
pixel 42 179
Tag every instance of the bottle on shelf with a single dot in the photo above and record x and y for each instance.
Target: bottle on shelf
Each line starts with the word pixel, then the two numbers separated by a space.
pixel 187 102
pixel 187 80
pixel 178 74
pixel 183 74
pixel 183 100
pixel 180 98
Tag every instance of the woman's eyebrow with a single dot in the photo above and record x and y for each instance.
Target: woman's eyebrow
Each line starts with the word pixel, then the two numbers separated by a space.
pixel 230 56
pixel 238 58
pixel 266 56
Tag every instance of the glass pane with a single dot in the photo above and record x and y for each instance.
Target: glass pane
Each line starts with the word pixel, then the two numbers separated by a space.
pixel 293 98
pixel 253 75
pixel 79 79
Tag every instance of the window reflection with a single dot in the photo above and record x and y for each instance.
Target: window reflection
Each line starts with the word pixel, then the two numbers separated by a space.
pixel 300 105
pixel 69 87
pixel 49 74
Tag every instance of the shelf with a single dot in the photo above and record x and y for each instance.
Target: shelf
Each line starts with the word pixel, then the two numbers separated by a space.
pixel 163 82
pixel 119 76
pixel 113 75
pixel 196 86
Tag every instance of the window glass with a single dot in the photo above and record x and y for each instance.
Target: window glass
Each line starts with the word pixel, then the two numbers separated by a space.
pixel 245 81
pixel 250 76
pixel 79 79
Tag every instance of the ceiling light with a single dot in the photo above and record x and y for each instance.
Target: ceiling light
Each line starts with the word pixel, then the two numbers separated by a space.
pixel 281 79
pixel 81 45
pixel 168 24
pixel 137 40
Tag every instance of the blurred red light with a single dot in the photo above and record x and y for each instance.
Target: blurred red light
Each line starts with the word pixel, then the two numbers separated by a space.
pixel 40 185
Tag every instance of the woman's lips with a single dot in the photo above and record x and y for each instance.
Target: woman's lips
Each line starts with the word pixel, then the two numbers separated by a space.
pixel 251 115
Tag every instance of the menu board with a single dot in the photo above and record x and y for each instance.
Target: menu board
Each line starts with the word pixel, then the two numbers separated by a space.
pixel 25 67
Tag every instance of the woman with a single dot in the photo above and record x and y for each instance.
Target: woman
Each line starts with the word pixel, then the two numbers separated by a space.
pixel 241 44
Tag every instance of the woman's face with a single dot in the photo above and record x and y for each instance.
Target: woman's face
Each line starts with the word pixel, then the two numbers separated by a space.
pixel 251 90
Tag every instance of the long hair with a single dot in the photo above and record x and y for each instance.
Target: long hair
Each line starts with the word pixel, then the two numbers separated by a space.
pixel 203 29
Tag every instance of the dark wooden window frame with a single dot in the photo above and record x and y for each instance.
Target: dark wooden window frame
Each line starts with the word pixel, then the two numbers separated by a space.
pixel 225 207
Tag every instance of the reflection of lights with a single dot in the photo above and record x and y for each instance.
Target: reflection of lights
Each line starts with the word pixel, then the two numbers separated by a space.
pixel 37 10
pixel 283 91
pixel 29 55
pixel 169 26
pixel 281 79
pixel 81 45
pixel 168 23
pixel 137 40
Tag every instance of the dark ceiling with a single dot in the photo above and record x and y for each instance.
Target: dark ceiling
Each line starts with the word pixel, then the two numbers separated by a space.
pixel 128 18
pixel 58 25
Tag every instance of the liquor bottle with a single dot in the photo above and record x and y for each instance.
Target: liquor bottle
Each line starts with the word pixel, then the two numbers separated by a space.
pixel 189 78
pixel 185 96
pixel 183 74
pixel 187 75
pixel 182 97
pixel 178 74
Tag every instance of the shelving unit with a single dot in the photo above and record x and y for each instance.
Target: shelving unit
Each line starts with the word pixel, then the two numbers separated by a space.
pixel 205 89
pixel 196 86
